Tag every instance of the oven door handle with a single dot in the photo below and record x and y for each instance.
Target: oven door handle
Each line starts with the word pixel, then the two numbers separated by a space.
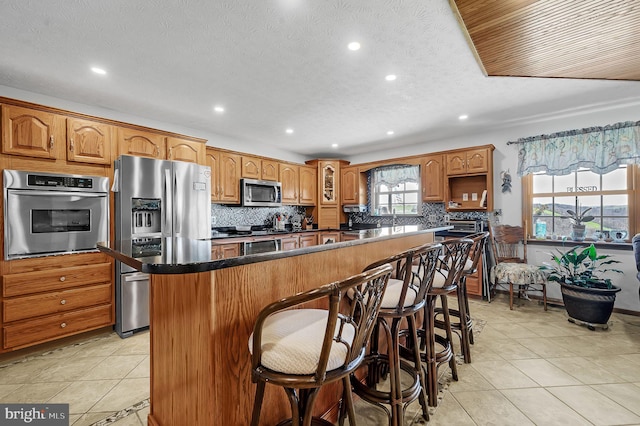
pixel 57 193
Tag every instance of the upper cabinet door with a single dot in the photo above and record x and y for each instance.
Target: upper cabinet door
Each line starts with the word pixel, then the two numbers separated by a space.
pixel 269 170
pixel 457 163
pixel 251 167
pixel 213 161
pixel 308 184
pixel 432 178
pixel 229 177
pixel 88 141
pixel 477 160
pixel 142 144
pixel 31 133
pixel 290 179
pixel 184 150
pixel 350 190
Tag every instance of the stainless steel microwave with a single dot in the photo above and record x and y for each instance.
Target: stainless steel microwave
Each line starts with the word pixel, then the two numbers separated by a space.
pixel 260 193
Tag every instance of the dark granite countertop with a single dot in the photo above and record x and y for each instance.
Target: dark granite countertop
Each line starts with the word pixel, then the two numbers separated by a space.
pixel 184 255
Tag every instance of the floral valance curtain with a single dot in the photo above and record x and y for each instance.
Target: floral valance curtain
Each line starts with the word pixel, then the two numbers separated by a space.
pixel 600 149
pixel 394 175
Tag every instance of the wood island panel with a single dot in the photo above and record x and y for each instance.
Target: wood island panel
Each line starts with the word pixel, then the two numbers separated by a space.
pixel 200 326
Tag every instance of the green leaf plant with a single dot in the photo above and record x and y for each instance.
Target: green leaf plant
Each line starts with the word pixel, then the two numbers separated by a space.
pixel 580 268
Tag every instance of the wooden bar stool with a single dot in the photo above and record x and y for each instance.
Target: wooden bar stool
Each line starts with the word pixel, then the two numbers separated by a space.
pixel 405 297
pixel 464 328
pixel 302 349
pixel 448 274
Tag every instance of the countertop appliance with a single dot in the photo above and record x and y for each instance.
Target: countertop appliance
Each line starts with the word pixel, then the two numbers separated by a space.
pixel 154 199
pixel 50 213
pixel 465 226
pixel 260 193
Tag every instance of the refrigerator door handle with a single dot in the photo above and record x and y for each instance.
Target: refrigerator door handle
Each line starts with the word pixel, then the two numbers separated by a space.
pixel 178 212
pixel 168 207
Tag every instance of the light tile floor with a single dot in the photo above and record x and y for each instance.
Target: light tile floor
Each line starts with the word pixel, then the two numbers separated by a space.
pixel 529 367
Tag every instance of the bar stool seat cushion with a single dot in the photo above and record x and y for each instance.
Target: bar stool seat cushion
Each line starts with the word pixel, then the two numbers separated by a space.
pixel 292 341
pixel 392 294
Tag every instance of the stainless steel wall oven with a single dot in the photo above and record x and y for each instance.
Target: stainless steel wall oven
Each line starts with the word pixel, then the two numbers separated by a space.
pixel 48 213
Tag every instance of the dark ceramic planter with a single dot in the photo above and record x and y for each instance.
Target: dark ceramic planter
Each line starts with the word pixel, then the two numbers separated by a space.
pixel 589 305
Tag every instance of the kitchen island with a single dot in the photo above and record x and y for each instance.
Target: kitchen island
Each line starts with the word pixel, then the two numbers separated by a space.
pixel 202 311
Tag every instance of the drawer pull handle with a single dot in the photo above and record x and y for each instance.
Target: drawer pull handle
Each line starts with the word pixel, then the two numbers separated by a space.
pixel 63 325
pixel 63 302
pixel 63 278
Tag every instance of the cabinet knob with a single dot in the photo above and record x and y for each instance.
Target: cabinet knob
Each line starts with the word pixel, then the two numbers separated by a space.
pixel 63 325
pixel 157 151
pixel 51 141
pixel 63 278
pixel 63 302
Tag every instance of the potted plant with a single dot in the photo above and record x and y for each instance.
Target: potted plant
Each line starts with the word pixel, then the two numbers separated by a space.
pixel 577 220
pixel 587 296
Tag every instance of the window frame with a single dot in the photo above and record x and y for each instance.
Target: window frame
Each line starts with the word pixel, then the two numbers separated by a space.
pixel 632 192
pixel 418 193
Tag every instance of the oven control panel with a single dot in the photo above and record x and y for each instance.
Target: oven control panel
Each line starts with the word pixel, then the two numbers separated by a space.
pixel 60 181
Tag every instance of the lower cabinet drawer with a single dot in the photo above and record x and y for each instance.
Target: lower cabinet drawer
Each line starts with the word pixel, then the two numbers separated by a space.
pixel 48 328
pixel 55 302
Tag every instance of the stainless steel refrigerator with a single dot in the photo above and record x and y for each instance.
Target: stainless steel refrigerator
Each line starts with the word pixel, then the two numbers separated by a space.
pixel 154 199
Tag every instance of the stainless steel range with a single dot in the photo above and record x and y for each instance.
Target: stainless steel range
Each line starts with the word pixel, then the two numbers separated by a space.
pixel 51 213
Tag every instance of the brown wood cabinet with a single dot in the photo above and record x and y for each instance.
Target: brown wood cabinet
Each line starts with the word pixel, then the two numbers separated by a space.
pixel 225 251
pixel 290 242
pixel 468 161
pixel 88 141
pixel 308 240
pixel 353 186
pixel 259 168
pixel 308 183
pixel 225 175
pixel 290 179
pixel 32 133
pixel 141 143
pixel 185 150
pixel 43 305
pixel 432 177
pixel 473 189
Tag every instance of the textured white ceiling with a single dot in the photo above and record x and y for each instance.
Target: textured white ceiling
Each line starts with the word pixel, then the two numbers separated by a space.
pixel 275 64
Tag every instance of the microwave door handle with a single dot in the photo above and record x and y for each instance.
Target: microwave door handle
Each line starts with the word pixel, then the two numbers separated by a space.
pixel 58 193
pixel 167 203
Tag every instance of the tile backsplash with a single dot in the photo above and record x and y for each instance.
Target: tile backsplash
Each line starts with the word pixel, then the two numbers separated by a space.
pixel 222 215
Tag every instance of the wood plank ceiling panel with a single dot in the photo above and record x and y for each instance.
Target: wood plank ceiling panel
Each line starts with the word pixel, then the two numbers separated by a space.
pixel 598 39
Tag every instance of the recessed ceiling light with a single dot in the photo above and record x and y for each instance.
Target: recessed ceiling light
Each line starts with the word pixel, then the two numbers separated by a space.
pixel 354 45
pixel 289 131
pixel 390 77
pixel 334 145
pixel 98 70
pixel 219 109
pixel 390 132
pixel 463 117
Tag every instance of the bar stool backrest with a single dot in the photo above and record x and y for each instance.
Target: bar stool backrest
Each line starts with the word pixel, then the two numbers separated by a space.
pixel 413 279
pixel 359 310
pixel 479 243
pixel 453 260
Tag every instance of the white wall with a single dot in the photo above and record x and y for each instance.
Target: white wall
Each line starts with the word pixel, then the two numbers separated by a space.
pixel 627 298
pixel 219 141
pixel 506 157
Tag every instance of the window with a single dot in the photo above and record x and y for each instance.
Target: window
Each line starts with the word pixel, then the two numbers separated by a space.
pixel 610 198
pixel 396 190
